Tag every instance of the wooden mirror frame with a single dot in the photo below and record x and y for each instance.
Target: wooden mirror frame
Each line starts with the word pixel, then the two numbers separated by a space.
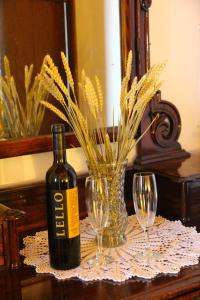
pixel 161 141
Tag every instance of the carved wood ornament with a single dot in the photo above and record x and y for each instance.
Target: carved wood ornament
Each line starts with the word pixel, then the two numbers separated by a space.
pixel 145 4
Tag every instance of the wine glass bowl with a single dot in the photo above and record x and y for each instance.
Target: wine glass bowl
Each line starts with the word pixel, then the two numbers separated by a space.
pixel 97 204
pixel 145 205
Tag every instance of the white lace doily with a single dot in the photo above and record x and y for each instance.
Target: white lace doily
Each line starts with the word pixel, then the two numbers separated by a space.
pixel 178 246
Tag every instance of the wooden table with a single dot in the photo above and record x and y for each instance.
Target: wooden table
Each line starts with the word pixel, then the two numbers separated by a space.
pixel 25 284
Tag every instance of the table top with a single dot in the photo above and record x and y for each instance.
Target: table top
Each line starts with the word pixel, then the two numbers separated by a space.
pixel 26 284
pixel 178 169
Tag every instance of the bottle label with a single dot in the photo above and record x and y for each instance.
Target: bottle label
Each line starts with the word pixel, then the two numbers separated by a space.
pixel 66 213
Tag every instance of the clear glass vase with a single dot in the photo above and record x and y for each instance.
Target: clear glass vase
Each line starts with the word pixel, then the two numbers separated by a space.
pixel 114 234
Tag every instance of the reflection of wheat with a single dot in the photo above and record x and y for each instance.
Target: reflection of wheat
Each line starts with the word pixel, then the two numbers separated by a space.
pixel 17 120
pixel 132 104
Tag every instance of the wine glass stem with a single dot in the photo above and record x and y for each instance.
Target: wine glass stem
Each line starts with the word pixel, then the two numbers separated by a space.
pixel 99 243
pixel 146 233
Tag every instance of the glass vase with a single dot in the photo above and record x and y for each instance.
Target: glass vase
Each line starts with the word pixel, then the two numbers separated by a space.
pixel 114 233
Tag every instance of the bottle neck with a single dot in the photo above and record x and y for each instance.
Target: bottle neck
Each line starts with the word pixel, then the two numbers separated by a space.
pixel 59 149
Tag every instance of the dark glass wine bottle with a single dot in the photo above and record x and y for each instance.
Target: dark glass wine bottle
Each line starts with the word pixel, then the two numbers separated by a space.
pixel 62 207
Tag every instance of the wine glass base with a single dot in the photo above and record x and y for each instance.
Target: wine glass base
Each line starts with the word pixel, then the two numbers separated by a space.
pixel 100 261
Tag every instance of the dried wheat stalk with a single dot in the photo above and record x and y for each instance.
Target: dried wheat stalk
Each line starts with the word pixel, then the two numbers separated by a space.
pixel 17 120
pixel 133 102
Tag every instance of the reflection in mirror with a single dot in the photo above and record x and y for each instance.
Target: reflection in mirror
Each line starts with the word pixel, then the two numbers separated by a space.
pixel 17 120
pixel 28 31
pixel 175 37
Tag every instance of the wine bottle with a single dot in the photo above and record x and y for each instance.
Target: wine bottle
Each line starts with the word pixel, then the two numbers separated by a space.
pixel 62 207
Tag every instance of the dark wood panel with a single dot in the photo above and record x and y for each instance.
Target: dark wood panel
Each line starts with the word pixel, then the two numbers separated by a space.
pixel 194 203
pixel 169 204
pixel 1 246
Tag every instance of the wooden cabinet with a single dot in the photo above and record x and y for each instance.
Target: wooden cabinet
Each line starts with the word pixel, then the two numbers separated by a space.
pixel 178 184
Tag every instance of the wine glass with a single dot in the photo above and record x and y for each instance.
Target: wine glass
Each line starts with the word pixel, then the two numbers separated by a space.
pixel 97 204
pixel 145 204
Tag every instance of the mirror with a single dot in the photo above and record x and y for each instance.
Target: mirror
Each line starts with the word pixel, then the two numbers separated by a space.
pixel 175 37
pixel 89 30
pixel 131 29
pixel 97 42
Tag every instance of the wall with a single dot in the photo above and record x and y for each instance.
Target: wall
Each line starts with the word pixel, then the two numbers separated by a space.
pixel 175 37
pixel 32 168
